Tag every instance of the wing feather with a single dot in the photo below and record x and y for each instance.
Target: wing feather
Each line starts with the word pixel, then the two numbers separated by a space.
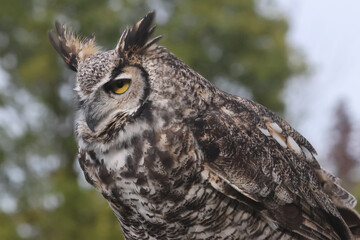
pixel 272 167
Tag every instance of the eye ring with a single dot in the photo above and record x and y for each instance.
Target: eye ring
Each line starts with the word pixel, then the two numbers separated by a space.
pixel 118 86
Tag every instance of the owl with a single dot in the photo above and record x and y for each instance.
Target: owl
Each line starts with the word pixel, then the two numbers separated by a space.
pixel 177 158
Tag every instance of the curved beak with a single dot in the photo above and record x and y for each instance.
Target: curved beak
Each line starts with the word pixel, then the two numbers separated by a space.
pixel 94 114
pixel 92 120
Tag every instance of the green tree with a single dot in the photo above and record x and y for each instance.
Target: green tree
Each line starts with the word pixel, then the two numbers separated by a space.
pixel 43 194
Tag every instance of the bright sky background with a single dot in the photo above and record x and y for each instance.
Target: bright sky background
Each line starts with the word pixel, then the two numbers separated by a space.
pixel 328 33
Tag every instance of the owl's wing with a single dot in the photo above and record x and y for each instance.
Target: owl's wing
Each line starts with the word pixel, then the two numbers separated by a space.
pixel 254 156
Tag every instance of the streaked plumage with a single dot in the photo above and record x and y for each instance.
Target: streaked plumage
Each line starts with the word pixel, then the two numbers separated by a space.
pixel 177 158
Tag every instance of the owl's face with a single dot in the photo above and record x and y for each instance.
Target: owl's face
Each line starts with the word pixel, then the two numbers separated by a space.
pixel 106 88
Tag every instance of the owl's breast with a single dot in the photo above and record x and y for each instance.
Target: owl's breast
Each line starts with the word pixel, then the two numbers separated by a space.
pixel 154 164
pixel 154 185
pixel 145 177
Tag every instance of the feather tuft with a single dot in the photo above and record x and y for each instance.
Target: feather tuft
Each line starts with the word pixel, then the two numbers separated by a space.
pixel 71 48
pixel 135 40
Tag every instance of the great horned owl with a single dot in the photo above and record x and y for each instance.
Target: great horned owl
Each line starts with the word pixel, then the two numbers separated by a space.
pixel 176 158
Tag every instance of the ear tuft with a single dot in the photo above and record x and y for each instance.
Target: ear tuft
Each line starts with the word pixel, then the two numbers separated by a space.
pixel 136 39
pixel 71 48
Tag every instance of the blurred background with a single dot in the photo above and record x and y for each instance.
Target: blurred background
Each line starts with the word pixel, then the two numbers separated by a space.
pixel 299 58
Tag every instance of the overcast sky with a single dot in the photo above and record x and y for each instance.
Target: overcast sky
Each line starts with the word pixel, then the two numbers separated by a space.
pixel 328 32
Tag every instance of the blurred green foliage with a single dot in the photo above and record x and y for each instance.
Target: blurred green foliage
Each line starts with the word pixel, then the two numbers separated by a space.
pixel 43 194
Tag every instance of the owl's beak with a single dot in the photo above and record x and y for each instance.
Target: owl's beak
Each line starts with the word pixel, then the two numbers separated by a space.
pixel 92 117
pixel 96 109
pixel 91 123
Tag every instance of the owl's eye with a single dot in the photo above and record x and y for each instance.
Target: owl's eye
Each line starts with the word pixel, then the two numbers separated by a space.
pixel 118 86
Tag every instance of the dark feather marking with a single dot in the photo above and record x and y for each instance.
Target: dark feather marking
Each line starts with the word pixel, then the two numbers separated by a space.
pixel 93 157
pixel 105 175
pixel 137 143
pixel 144 111
pixel 339 227
pixel 173 214
pixel 165 116
pixel 141 179
pixel 289 214
pixel 153 175
pixel 116 71
pixel 351 218
pixel 123 209
pixel 82 159
pixel 172 195
pixel 149 159
pixel 149 135
pixel 136 38
pixel 144 192
pixel 179 182
pixel 166 159
pixel 131 168
pixel 138 35
pixel 211 151
pixel 59 43
pixel 199 124
pixel 84 163
pixel 155 228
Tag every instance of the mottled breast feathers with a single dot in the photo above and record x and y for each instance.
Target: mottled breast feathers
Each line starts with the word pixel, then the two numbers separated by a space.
pixel 176 158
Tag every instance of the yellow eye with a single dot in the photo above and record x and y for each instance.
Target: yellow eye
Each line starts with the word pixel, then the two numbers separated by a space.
pixel 119 86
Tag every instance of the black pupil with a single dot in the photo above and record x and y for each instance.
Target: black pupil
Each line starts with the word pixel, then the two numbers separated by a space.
pixel 119 84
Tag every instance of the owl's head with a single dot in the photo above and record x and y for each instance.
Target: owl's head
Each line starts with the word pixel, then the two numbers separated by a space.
pixel 119 87
pixel 111 86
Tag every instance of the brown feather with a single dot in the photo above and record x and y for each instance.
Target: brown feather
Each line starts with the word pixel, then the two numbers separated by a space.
pixel 135 40
pixel 71 48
